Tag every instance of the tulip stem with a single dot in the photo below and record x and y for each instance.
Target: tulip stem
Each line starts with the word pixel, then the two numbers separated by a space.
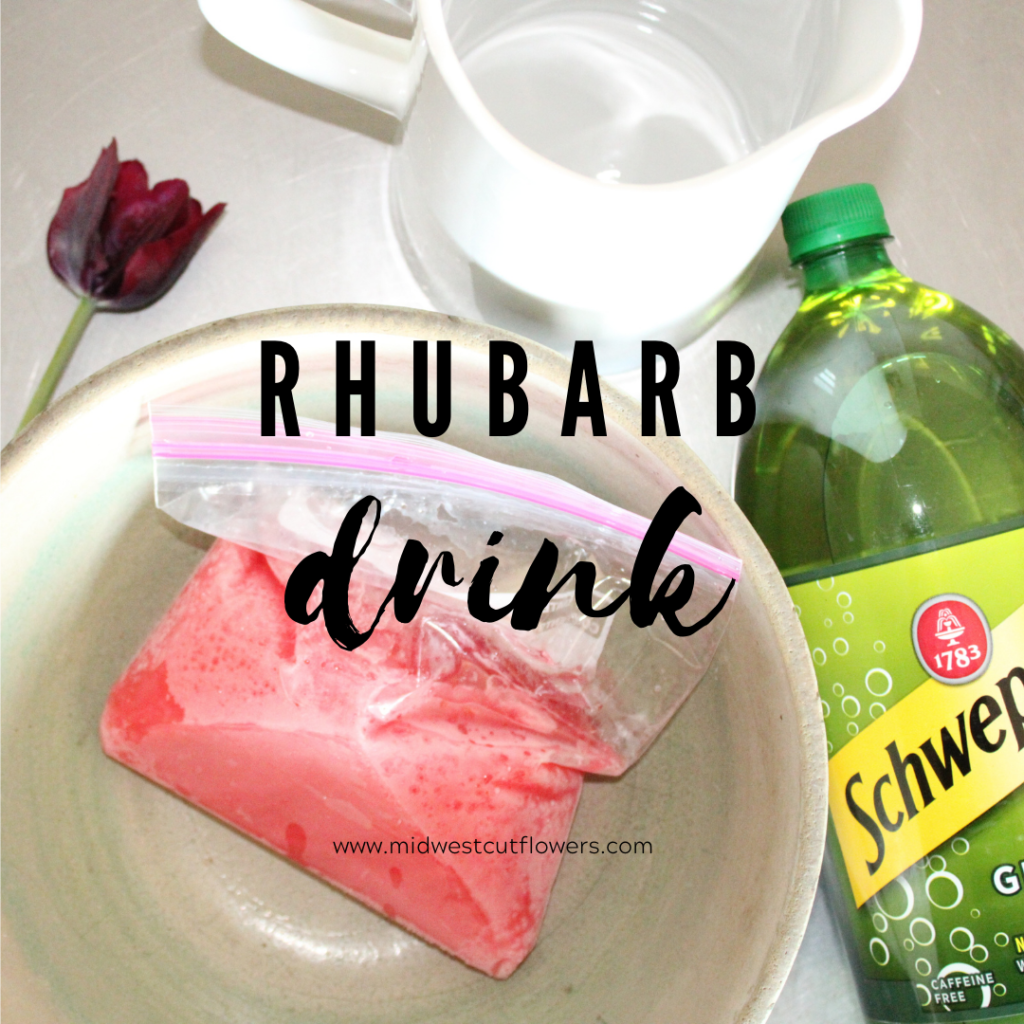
pixel 54 372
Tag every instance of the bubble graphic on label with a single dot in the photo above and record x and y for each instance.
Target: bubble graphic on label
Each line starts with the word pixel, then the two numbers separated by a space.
pixel 929 931
pixel 829 747
pixel 908 893
pixel 799 611
pixel 827 584
pixel 975 913
pixel 881 922
pixel 934 859
pixel 879 646
pixel 944 876
pixel 852 728
pixel 828 623
pixel 960 849
pixel 843 599
pixel 819 656
pixel 851 706
pixel 848 617
pixel 881 679
pixel 927 995
pixel 999 988
pixel 908 944
pixel 923 966
pixel 840 646
pixel 1000 938
pixel 837 689
pixel 967 944
pixel 878 949
pixel 825 709
pixel 876 709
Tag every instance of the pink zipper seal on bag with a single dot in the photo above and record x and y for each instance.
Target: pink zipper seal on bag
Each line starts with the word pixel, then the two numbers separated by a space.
pixel 180 435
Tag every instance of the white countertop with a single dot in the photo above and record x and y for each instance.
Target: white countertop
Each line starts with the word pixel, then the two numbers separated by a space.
pixel 304 175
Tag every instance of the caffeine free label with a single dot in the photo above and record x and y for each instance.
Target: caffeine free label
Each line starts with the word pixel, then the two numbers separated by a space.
pixel 916 758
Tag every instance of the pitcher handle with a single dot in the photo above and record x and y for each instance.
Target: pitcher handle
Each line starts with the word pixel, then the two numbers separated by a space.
pixel 340 55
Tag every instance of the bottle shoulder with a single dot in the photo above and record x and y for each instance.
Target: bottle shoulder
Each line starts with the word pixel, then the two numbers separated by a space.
pixel 888 414
pixel 887 315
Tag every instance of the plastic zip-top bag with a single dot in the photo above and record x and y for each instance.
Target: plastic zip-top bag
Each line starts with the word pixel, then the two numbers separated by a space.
pixel 287 496
pixel 354 678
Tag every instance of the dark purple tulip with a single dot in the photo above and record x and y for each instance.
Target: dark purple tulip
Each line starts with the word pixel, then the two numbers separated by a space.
pixel 121 243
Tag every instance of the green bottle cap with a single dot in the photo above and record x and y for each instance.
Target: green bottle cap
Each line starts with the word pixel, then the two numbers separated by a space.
pixel 830 218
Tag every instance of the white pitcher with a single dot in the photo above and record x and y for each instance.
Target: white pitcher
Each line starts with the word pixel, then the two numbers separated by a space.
pixel 599 169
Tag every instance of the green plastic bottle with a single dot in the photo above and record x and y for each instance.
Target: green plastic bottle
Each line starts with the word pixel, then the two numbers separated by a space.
pixel 885 474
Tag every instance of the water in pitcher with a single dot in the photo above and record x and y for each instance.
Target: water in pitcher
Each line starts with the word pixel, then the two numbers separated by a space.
pixel 609 96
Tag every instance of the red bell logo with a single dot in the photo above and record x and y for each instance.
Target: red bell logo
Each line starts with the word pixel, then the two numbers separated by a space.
pixel 951 638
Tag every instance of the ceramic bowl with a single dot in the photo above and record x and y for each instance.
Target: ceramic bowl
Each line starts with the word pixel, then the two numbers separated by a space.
pixel 122 904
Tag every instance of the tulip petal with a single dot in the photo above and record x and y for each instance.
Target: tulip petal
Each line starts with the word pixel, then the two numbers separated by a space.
pixel 132 223
pixel 74 231
pixel 132 182
pixel 155 266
